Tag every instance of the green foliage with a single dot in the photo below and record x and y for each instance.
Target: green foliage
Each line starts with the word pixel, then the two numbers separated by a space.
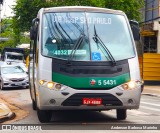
pixel 130 7
pixel 7 32
pixel 25 11
pixel 13 37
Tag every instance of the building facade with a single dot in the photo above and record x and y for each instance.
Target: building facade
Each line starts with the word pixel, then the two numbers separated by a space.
pixel 150 32
pixel 151 26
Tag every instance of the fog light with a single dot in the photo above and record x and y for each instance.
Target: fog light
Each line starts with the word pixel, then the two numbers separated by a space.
pixel 125 86
pixel 52 101
pixel 130 101
pixel 50 85
pixel 58 86
pixel 132 84
pixel 41 82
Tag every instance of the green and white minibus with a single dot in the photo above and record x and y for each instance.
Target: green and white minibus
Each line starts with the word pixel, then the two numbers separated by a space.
pixel 83 58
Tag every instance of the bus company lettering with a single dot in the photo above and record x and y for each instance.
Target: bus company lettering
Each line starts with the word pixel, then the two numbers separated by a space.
pixel 90 20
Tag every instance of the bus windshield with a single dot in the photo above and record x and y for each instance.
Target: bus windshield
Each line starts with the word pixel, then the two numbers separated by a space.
pixel 63 31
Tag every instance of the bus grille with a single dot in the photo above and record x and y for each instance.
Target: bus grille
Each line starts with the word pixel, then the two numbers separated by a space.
pixel 107 99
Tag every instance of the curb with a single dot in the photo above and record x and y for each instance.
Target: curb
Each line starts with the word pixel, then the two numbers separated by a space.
pixel 5 113
pixel 10 116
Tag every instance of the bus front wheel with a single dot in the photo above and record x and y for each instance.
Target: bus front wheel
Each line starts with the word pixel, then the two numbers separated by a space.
pixel 44 115
pixel 34 105
pixel 121 114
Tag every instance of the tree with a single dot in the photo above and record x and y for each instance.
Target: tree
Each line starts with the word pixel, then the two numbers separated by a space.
pixel 6 32
pixel 130 7
pixel 25 11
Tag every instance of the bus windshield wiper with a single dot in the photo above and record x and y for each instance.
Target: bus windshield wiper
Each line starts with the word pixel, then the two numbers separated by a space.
pixel 98 41
pixel 76 46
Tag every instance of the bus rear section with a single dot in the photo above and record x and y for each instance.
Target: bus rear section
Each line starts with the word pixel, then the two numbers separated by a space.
pixel 83 58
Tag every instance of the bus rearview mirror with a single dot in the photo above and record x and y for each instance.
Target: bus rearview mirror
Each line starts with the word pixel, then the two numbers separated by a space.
pixel 135 29
pixel 34 28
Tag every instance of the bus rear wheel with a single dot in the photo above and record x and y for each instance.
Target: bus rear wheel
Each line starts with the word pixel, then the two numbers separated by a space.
pixel 121 114
pixel 44 116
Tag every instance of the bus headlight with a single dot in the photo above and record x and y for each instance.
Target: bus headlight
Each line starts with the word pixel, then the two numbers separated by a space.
pixel 50 85
pixel 132 84
pixel 58 86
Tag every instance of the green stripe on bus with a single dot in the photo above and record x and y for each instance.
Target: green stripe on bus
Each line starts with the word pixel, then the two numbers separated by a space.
pixel 85 82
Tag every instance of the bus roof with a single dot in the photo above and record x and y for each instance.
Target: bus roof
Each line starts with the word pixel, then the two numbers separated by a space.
pixel 81 8
pixel 14 53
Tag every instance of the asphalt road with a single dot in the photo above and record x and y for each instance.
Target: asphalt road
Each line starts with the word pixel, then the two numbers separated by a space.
pixel 148 113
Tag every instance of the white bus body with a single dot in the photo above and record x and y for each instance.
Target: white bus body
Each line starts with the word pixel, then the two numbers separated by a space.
pixel 83 58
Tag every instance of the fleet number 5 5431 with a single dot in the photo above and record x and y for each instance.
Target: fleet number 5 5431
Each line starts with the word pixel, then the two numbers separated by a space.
pixel 106 82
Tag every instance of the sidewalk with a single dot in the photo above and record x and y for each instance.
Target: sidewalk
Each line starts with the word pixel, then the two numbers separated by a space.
pixel 152 90
pixel 9 112
pixel 5 113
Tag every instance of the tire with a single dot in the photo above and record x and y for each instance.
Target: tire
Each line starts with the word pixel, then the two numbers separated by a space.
pixel 44 116
pixel 34 105
pixel 27 87
pixel 121 114
pixel 1 85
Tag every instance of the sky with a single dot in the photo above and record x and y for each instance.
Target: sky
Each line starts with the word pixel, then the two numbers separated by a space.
pixel 6 8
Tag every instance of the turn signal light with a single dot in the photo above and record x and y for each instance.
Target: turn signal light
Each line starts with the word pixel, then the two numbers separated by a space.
pixel 125 86
pixel 41 82
pixel 58 86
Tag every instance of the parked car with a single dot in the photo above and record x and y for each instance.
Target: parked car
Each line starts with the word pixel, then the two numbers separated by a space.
pixel 13 76
pixel 23 66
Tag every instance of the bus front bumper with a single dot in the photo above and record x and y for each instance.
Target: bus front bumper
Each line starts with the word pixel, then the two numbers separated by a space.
pixel 71 99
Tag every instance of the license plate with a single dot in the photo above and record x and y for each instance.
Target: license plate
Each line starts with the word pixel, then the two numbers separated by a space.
pixel 17 84
pixel 92 101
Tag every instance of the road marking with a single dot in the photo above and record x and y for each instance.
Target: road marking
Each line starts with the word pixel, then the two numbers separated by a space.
pixel 153 89
pixel 151 104
pixel 134 112
pixel 150 108
pixel 138 121
pixel 138 113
